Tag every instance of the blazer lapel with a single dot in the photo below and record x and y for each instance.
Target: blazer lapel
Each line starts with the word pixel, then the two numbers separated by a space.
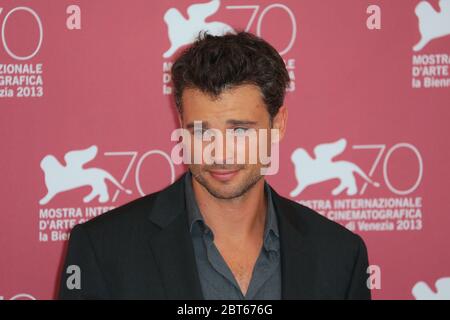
pixel 172 246
pixel 298 263
pixel 173 251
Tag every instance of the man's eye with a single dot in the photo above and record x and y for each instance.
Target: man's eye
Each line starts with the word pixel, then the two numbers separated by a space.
pixel 199 131
pixel 240 130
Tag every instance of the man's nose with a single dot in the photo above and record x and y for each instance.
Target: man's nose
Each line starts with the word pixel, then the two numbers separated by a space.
pixel 225 154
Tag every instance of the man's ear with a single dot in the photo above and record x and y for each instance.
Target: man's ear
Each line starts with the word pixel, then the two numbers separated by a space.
pixel 280 121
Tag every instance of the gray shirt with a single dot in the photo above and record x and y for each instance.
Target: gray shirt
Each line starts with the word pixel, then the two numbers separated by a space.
pixel 217 280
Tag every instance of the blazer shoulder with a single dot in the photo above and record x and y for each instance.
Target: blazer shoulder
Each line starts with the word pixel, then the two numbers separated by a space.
pixel 122 219
pixel 317 227
pixel 129 217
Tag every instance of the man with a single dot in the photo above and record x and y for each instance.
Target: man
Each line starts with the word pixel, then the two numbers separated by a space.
pixel 220 231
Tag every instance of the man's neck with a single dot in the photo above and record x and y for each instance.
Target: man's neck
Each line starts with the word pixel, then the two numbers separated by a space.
pixel 237 219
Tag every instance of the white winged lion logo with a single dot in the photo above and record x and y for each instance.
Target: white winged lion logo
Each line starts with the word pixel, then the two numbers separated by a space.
pixel 183 31
pixel 309 171
pixel 422 291
pixel 432 24
pixel 59 178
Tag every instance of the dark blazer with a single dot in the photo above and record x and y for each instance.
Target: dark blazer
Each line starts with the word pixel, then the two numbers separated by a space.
pixel 143 250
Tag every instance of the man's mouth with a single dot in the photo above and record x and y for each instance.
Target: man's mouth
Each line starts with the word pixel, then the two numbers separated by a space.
pixel 223 175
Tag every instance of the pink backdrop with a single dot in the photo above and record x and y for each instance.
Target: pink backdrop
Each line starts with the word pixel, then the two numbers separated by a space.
pixel 96 75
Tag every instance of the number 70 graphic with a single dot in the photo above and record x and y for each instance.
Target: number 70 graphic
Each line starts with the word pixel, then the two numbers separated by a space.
pixel 384 157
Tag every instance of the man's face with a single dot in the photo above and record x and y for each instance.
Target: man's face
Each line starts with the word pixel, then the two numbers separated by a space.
pixel 239 109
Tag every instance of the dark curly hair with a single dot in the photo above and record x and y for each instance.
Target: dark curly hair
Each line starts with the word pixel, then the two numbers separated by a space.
pixel 216 63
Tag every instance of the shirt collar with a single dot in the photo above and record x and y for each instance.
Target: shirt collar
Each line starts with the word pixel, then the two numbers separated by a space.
pixel 195 216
